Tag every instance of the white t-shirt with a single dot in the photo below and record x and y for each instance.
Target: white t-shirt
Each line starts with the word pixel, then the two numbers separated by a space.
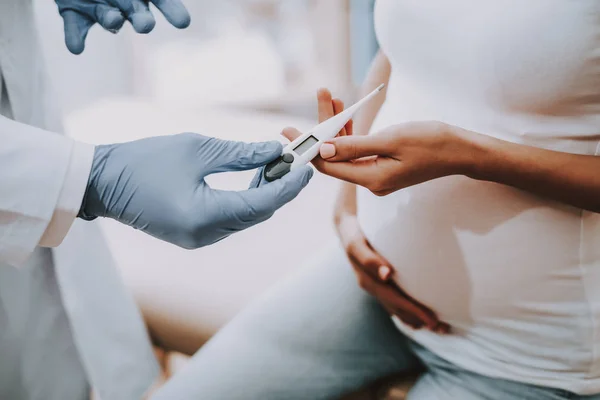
pixel 517 276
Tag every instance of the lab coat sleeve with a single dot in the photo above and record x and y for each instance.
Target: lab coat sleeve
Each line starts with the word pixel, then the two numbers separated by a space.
pixel 43 177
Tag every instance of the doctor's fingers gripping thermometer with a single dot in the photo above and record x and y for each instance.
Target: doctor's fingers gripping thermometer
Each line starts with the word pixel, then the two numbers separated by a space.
pixel 306 146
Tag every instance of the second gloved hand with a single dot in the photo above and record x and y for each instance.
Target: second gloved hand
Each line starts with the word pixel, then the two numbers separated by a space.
pixel 157 185
pixel 80 15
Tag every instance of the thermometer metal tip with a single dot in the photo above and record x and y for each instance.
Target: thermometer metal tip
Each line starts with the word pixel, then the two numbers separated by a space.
pixel 306 147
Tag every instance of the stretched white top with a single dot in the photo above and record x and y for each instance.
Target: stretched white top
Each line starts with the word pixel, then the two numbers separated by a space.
pixel 517 276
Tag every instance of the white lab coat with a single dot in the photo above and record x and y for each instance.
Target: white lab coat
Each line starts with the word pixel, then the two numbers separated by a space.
pixel 107 334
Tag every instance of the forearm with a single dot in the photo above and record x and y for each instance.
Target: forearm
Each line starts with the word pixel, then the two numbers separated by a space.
pixel 379 73
pixel 568 178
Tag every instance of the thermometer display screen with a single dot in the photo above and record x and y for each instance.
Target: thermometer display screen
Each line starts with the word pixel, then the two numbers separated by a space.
pixel 307 144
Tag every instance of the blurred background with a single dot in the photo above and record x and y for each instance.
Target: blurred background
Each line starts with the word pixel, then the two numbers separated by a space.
pixel 244 70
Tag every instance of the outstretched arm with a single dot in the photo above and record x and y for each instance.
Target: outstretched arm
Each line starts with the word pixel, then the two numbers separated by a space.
pixel 569 178
pixel 155 185
pixel 412 153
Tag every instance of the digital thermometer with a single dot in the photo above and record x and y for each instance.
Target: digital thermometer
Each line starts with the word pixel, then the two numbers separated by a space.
pixel 306 146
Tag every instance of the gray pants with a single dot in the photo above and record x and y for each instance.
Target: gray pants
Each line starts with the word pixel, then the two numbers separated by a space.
pixel 319 336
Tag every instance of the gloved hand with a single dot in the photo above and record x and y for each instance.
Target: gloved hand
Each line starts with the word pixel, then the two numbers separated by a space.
pixel 80 15
pixel 157 185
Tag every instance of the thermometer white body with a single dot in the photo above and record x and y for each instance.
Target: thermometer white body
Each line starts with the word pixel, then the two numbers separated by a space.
pixel 306 146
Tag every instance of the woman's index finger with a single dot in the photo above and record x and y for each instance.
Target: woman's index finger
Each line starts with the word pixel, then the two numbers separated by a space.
pixel 325 105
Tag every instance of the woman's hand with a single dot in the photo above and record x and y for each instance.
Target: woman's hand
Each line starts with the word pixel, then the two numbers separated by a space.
pixel 408 154
pixel 372 270
pixel 374 274
pixel 399 156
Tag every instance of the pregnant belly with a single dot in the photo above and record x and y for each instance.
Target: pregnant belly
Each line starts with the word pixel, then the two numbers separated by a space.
pixel 478 252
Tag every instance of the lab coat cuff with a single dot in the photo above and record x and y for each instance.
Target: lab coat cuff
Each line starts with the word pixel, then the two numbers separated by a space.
pixel 71 194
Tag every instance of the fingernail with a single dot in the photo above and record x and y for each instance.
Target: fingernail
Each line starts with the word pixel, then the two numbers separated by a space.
pixel 442 329
pixel 384 272
pixel 327 150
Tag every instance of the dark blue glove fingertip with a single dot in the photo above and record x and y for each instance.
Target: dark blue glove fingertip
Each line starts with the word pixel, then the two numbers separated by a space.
pixel 175 12
pixel 143 22
pixel 75 48
pixel 113 20
pixel 76 45
pixel 184 21
pixel 76 28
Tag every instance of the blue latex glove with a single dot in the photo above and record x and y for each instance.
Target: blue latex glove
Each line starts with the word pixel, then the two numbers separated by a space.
pixel 80 15
pixel 157 185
